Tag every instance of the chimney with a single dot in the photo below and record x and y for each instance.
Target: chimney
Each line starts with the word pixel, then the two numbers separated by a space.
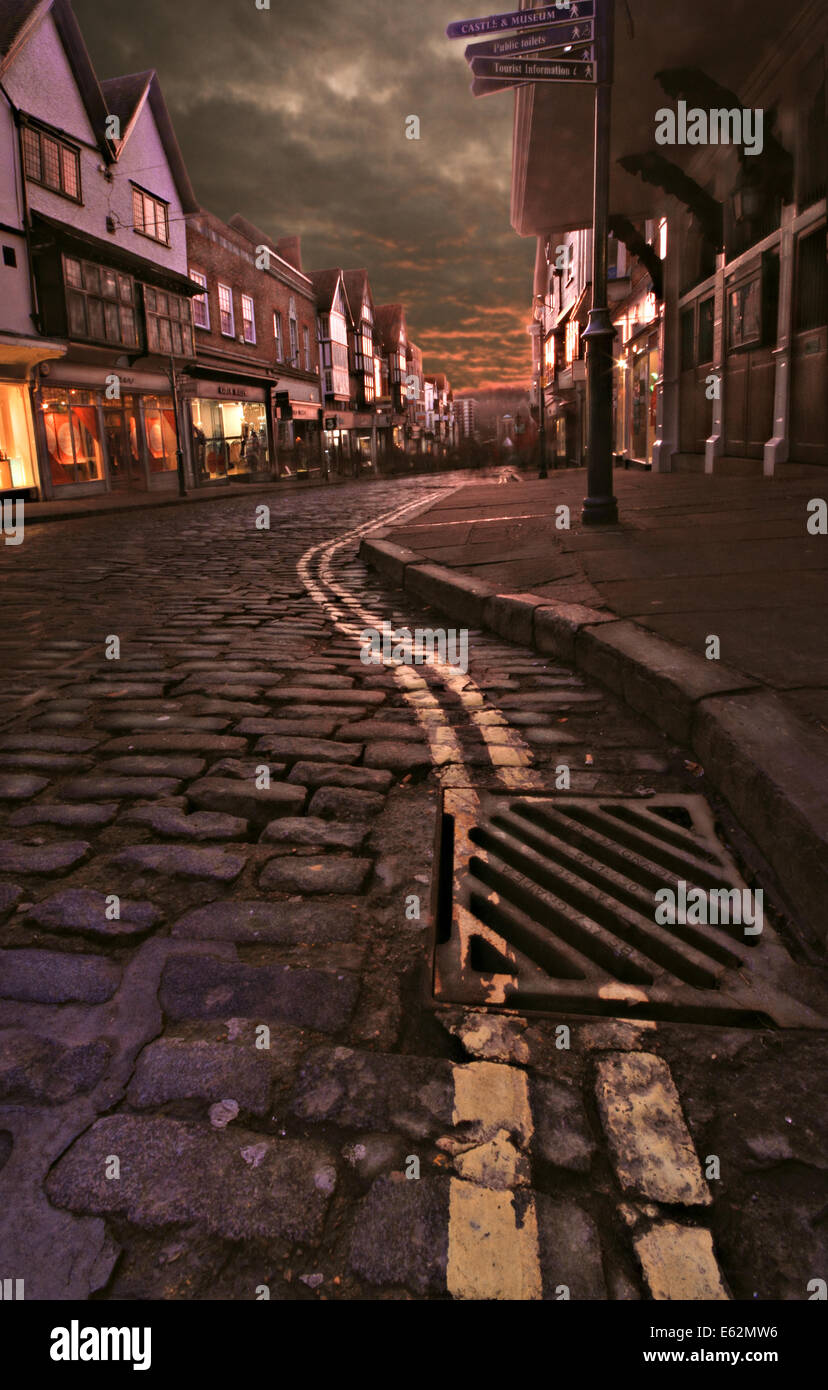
pixel 290 249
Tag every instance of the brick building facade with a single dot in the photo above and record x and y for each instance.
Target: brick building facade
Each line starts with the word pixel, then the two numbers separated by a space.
pixel 253 390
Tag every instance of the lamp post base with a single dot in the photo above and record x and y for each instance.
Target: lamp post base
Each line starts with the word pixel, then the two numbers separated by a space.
pixel 600 511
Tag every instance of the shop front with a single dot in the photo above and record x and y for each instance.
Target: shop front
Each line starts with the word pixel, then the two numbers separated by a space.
pixel 299 437
pixel 230 437
pixel 642 370
pixel 19 359
pixel 337 441
pixel 104 429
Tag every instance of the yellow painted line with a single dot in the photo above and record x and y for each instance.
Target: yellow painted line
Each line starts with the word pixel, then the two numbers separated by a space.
pixel 489 1254
pixel 492 1249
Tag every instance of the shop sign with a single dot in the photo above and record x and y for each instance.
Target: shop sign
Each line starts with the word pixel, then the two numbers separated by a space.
pixel 234 393
pixel 81 374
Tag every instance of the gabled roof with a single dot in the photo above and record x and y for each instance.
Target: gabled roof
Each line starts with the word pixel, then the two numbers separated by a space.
pixel 118 96
pixel 125 98
pixel 389 319
pixel 18 21
pixel 357 289
pixel 16 17
pixel 324 285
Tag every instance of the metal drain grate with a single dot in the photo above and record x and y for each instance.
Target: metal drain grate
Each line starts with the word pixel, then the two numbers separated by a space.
pixel 548 903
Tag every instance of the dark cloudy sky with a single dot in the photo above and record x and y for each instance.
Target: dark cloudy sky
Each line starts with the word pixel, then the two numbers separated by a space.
pixel 296 117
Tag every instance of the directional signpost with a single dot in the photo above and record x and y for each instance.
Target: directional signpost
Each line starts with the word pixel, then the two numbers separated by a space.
pixel 534 70
pixel 520 19
pixel 568 42
pixel 522 44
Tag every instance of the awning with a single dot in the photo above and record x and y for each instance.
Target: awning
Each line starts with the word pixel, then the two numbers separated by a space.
pixel 18 353
pixel 303 410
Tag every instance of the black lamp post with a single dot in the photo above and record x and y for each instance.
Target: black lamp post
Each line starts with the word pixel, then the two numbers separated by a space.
pixel 600 505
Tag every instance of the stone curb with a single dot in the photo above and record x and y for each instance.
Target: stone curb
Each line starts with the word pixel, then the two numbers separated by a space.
pixel 766 762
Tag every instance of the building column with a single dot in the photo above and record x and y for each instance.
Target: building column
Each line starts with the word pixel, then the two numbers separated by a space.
pixel 776 448
pixel 714 444
pixel 666 442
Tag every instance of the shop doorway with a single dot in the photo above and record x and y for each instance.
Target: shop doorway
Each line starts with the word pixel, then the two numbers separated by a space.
pixel 644 400
pixel 122 431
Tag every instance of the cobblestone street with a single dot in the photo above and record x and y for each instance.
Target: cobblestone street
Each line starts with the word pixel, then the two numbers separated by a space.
pixel 221 1075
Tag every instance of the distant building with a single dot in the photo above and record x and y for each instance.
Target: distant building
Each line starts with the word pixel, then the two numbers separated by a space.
pixel 392 334
pixel 442 424
pixel 465 411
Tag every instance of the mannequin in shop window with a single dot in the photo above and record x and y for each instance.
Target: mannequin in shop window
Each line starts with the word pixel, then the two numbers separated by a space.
pixel 200 451
pixel 252 452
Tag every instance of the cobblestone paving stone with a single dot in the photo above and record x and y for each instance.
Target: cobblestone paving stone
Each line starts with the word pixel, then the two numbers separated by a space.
pixel 217 1069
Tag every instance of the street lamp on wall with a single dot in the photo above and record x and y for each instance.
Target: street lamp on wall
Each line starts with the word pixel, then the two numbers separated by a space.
pixel 746 198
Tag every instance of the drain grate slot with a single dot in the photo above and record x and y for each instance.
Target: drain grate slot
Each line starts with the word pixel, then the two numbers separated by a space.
pixel 550 903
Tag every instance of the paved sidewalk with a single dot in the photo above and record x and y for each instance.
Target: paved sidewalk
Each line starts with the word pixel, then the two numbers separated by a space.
pixel 693 557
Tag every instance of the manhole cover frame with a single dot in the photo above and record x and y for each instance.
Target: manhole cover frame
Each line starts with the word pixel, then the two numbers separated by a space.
pixel 763 987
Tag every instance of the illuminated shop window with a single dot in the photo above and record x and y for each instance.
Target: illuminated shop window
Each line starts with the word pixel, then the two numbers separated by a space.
pixel 17 451
pixel 73 442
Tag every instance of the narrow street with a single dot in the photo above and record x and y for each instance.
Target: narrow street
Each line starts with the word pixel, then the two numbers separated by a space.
pixel 222 1071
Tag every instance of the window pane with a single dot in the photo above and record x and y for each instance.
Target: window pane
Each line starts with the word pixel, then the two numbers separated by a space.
pixel 86 441
pixel 72 270
pixel 174 306
pixel 161 436
pixel 127 325
pixel 51 162
pixel 706 331
pixel 175 329
pixel 94 309
pixel 113 323
pixel 137 210
pixel 77 315
pixel 31 153
pixel 686 327
pixel 160 302
pixel 91 278
pixel 125 288
pixel 187 340
pixel 152 333
pixel 149 299
pixel 149 216
pixel 164 339
pixel 109 283
pixel 69 169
